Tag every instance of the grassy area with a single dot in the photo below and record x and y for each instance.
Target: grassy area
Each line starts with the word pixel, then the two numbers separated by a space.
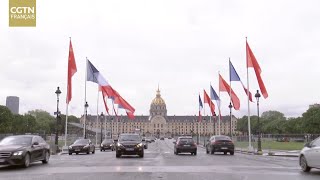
pixel 273 145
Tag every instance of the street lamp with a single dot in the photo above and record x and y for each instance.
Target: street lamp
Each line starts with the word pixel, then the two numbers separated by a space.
pixel 230 107
pixel 257 95
pixel 86 105
pixel 58 92
pixel 101 115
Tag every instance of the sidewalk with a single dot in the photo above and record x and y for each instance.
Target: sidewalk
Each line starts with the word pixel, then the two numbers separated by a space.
pixel 265 152
pixel 271 152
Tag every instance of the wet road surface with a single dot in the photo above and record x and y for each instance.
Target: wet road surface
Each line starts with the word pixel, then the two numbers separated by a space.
pixel 160 163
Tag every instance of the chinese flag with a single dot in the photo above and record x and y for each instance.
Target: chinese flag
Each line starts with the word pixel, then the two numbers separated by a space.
pixel 224 86
pixel 72 69
pixel 252 62
pixel 208 101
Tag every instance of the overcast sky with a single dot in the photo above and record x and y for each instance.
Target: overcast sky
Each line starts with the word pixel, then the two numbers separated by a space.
pixel 182 45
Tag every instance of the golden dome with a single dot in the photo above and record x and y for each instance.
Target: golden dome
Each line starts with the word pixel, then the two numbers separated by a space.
pixel 158 100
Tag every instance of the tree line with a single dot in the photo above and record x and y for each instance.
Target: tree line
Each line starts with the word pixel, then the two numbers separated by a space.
pixel 274 122
pixel 35 121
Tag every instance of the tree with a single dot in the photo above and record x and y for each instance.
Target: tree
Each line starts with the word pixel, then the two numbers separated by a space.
pixel 6 118
pixel 311 120
pixel 272 115
pixel 44 121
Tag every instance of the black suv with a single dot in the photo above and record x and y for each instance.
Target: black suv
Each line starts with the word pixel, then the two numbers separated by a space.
pixel 129 144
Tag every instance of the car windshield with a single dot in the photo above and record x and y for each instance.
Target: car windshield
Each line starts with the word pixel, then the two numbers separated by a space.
pixel 107 141
pixel 82 141
pixel 185 140
pixel 219 138
pixel 16 140
pixel 130 137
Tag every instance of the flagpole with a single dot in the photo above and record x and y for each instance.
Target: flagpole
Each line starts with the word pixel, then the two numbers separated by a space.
pixel 97 117
pixel 85 99
pixel 230 101
pixel 219 118
pixel 250 148
pixel 66 127
pixel 105 125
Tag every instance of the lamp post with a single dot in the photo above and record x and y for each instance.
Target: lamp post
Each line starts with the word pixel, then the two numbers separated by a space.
pixel 230 107
pixel 257 95
pixel 101 115
pixel 58 92
pixel 86 105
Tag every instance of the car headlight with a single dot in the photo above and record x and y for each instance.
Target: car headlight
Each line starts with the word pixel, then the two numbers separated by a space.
pixel 139 145
pixel 70 147
pixel 101 145
pixel 110 144
pixel 120 145
pixel 86 146
pixel 18 153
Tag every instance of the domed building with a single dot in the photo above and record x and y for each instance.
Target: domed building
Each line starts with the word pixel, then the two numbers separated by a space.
pixel 159 124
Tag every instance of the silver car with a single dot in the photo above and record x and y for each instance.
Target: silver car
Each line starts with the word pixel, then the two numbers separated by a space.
pixel 310 155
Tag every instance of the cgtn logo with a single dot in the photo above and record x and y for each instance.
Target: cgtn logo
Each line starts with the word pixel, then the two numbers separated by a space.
pixel 22 12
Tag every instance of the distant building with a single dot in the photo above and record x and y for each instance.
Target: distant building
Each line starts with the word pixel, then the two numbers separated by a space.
pixel 12 102
pixel 158 123
pixel 314 105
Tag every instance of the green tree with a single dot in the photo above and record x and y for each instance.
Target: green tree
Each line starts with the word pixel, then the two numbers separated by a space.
pixel 44 121
pixel 311 121
pixel 6 118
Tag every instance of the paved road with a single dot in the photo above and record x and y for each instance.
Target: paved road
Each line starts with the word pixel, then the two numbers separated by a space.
pixel 160 163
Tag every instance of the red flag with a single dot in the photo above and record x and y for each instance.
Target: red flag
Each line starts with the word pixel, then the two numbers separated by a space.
pixel 109 92
pixel 224 86
pixel 252 62
pixel 130 115
pixel 124 104
pixel 72 69
pixel 104 100
pixel 246 90
pixel 208 101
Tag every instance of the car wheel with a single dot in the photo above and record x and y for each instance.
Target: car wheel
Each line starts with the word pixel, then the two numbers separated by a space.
pixel 93 151
pixel 141 155
pixel 207 151
pixel 118 155
pixel 88 152
pixel 212 151
pixel 225 153
pixel 195 153
pixel 77 153
pixel 101 150
pixel 231 152
pixel 46 158
pixel 304 165
pixel 27 160
pixel 70 153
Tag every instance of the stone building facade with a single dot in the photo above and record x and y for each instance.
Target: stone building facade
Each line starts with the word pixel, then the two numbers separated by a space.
pixel 159 124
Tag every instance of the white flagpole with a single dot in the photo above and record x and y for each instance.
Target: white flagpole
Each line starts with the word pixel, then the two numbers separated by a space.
pixel 219 118
pixel 85 99
pixel 249 128
pixel 230 101
pixel 66 127
pixel 97 117
pixel 105 125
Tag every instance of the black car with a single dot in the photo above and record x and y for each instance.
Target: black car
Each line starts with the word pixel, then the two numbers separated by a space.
pixel 107 144
pixel 23 150
pixel 220 144
pixel 185 145
pixel 82 146
pixel 129 144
